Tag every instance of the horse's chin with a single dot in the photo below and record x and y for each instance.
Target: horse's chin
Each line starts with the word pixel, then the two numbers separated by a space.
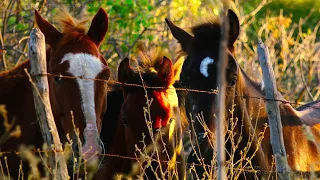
pixel 92 165
pixel 83 167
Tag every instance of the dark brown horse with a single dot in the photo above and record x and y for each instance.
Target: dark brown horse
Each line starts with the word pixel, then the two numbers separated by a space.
pixel 73 52
pixel 145 113
pixel 248 115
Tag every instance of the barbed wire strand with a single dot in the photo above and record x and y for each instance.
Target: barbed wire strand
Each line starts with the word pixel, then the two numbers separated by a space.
pixel 213 91
pixel 4 153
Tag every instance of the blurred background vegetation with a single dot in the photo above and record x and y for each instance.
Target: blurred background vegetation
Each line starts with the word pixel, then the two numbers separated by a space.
pixel 290 28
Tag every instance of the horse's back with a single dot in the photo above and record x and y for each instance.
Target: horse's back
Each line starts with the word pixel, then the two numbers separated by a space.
pixel 310 113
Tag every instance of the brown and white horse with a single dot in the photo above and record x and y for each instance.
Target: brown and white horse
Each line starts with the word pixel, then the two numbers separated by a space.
pixel 74 53
pixel 148 116
pixel 249 115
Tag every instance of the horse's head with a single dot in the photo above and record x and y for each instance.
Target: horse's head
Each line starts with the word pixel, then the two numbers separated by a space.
pixel 200 69
pixel 162 108
pixel 75 53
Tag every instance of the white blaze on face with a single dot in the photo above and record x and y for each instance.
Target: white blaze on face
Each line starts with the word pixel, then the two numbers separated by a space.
pixel 204 66
pixel 86 67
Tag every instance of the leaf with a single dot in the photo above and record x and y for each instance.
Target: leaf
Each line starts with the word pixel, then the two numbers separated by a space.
pixel 150 7
pixel 150 37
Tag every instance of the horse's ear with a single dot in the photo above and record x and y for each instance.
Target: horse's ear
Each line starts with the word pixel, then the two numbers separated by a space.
pixel 51 34
pixel 124 71
pixel 181 35
pixel 234 27
pixel 177 68
pixel 99 27
pixel 166 73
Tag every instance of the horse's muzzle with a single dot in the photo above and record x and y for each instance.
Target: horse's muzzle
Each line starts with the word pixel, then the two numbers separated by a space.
pixel 92 150
pixel 92 147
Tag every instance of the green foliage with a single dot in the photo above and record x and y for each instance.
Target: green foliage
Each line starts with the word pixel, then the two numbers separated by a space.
pixel 295 9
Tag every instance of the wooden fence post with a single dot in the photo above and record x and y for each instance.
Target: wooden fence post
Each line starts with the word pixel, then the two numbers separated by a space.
pixel 273 111
pixel 39 81
pixel 221 79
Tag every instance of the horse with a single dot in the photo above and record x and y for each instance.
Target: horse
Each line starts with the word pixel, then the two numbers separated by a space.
pixel 72 53
pixel 149 122
pixel 248 149
pixel 111 116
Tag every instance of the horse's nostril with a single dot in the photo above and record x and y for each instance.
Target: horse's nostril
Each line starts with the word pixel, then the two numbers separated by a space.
pixel 92 150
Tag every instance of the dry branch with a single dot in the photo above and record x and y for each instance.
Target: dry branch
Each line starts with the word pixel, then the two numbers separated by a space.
pixel 273 110
pixel 37 54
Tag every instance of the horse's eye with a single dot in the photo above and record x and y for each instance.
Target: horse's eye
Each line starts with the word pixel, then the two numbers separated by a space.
pixel 233 82
pixel 170 121
pixel 57 78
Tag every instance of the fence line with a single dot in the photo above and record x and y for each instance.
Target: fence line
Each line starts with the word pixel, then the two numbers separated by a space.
pixel 213 91
pixel 263 169
pixel 256 170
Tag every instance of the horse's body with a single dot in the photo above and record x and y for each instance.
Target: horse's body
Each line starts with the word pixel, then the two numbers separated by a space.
pixel 164 113
pixel 71 53
pixel 247 114
pixel 111 116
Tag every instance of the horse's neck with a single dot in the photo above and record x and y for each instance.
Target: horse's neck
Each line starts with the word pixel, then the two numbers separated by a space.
pixel 255 103
pixel 13 83
pixel 310 113
pixel 252 113
pixel 249 97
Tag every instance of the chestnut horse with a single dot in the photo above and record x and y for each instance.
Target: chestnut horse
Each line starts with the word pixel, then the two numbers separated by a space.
pixel 249 115
pixel 144 115
pixel 74 53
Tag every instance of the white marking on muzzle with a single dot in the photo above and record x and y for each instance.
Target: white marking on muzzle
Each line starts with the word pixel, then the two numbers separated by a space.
pixel 87 67
pixel 204 66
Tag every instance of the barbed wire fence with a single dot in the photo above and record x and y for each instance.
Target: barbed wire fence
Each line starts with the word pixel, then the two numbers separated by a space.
pixel 257 169
pixel 213 91
pixel 110 82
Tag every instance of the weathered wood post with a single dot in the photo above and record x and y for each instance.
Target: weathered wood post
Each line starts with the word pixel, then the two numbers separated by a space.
pixel 39 81
pixel 273 111
pixel 221 79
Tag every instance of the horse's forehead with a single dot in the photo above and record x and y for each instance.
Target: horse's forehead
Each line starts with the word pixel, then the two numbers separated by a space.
pixel 204 65
pixel 167 98
pixel 83 64
pixel 172 96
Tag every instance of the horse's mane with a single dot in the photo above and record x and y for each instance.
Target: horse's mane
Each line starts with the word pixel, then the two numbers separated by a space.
pixel 208 30
pixel 150 61
pixel 205 32
pixel 17 71
pixel 147 64
pixel 69 24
